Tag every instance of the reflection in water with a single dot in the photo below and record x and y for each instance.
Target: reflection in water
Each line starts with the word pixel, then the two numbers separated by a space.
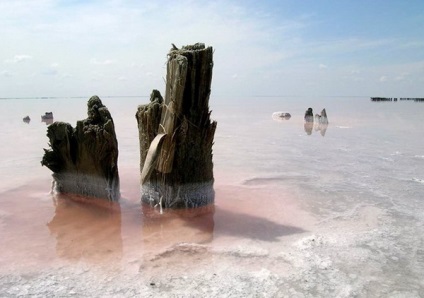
pixel 47 118
pixel 86 230
pixel 308 127
pixel 92 230
pixel 48 121
pixel 132 236
pixel 321 127
pixel 74 229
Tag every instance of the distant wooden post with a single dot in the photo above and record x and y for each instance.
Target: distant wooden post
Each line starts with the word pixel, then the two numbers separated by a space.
pixel 176 133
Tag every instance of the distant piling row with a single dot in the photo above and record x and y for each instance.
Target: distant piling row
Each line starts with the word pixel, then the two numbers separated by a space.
pixel 383 99
pixel 416 99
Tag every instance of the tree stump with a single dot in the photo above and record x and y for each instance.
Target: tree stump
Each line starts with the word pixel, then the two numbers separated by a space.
pixel 176 133
pixel 84 160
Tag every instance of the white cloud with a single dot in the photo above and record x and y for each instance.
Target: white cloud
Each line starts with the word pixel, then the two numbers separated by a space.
pixel 101 62
pixel 50 72
pixel 66 75
pixel 18 59
pixel 122 78
pixel 137 65
pixel 5 74
pixel 96 76
pixel 271 53
pixel 402 76
pixel 345 45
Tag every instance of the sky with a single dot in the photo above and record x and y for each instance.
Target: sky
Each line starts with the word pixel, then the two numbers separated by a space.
pixel 262 48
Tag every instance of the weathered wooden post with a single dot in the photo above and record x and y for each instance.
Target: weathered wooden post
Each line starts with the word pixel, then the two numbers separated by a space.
pixel 176 133
pixel 84 160
pixel 309 121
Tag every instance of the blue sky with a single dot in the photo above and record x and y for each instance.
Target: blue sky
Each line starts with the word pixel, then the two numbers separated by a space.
pixel 119 47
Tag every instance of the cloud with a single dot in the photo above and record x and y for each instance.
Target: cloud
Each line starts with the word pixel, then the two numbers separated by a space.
pixel 96 76
pixel 401 77
pixel 52 70
pixel 122 78
pixel 137 65
pixel 66 75
pixel 345 45
pixel 258 48
pixel 103 62
pixel 18 59
pixel 5 74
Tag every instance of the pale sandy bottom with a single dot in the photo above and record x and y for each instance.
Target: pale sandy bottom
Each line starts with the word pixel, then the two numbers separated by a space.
pixel 259 239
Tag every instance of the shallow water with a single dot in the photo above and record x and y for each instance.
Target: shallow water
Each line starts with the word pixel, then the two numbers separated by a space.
pixel 298 213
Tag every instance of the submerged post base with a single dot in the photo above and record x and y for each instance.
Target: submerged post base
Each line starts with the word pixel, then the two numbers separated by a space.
pixel 178 196
pixel 86 185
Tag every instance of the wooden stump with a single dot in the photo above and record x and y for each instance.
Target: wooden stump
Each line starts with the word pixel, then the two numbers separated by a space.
pixel 84 160
pixel 176 133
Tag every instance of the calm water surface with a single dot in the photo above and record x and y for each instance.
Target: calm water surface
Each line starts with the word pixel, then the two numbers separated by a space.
pixel 323 212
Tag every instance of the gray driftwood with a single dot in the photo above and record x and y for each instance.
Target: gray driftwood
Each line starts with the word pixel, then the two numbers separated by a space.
pixel 84 159
pixel 176 133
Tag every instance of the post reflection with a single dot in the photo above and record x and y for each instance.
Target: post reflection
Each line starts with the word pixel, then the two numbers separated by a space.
pixel 92 230
pixel 308 126
pixel 321 127
pixel 48 121
pixel 318 127
pixel 85 229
